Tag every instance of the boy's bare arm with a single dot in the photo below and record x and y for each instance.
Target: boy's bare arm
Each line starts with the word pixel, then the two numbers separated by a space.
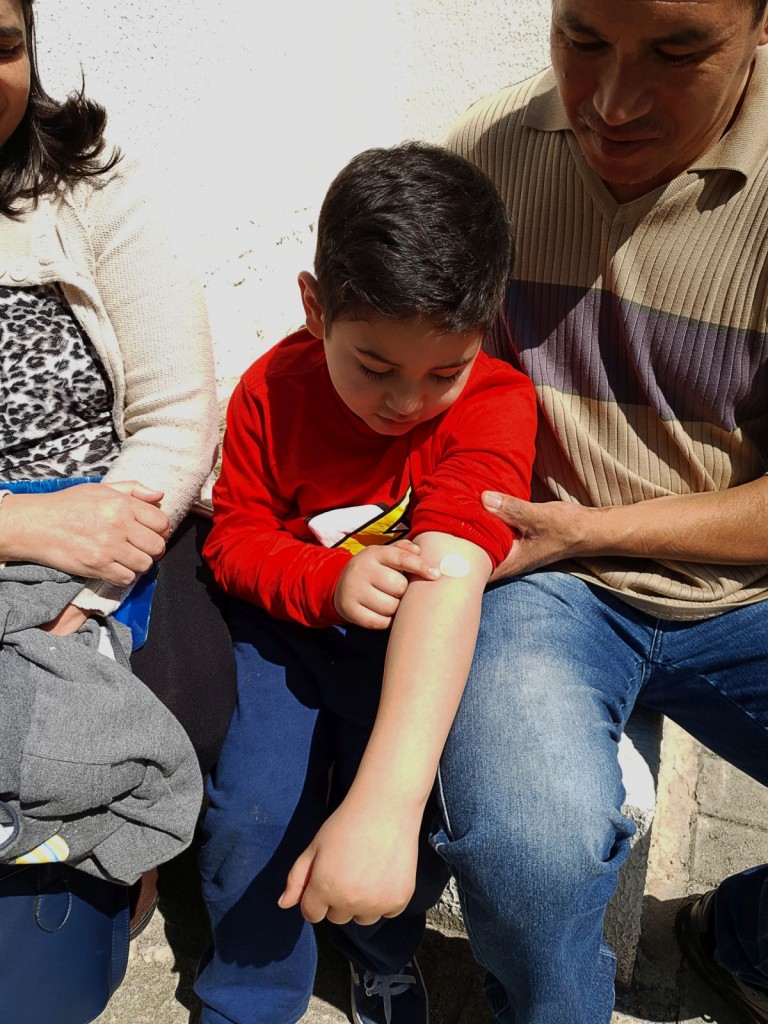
pixel 362 862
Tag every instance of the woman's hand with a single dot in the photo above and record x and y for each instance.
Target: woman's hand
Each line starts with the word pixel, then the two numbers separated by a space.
pixel 370 588
pixel 111 532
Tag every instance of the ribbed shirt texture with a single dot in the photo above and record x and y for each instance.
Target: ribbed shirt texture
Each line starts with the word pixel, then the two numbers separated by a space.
pixel 642 326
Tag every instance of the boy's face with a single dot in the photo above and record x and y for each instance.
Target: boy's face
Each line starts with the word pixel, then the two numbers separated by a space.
pixel 395 374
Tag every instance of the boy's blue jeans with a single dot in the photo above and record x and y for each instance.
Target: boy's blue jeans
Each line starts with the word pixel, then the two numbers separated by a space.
pixel 532 790
pixel 307 699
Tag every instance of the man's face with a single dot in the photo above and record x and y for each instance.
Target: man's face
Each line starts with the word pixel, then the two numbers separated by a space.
pixel 650 85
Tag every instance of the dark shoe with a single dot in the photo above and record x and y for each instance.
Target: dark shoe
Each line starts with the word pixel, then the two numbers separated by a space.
pixel 389 998
pixel 143 902
pixel 691 928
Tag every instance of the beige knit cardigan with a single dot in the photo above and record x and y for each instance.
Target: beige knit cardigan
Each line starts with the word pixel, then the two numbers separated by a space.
pixel 142 308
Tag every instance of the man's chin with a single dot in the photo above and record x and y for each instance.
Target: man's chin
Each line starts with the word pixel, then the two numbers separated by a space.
pixel 630 162
pixel 625 175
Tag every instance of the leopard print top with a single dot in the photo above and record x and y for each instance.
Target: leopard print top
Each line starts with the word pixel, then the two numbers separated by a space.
pixel 55 396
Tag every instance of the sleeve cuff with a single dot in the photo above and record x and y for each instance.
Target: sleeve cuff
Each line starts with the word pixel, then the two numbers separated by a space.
pixel 102 598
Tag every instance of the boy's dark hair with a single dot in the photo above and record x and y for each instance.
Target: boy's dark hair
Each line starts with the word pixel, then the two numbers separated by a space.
pixel 413 231
pixel 56 141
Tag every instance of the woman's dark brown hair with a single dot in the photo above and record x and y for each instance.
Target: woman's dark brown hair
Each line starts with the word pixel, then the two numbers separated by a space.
pixel 55 142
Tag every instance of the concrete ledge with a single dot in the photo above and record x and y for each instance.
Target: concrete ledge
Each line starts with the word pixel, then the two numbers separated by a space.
pixel 639 757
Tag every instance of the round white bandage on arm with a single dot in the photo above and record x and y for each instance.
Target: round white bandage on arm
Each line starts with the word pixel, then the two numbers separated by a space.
pixel 454 565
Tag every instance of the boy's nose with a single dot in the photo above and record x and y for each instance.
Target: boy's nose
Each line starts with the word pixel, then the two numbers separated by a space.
pixel 404 403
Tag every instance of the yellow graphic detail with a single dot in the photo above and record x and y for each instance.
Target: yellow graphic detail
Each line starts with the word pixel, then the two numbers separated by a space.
pixel 355 527
pixel 386 528
pixel 381 530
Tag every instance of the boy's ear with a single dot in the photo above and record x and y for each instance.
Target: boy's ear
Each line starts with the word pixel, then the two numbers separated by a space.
pixel 313 311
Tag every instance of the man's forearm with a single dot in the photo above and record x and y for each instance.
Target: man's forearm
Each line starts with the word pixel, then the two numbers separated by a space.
pixel 718 527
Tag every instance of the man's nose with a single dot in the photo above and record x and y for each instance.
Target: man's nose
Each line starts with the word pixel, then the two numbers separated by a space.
pixel 623 93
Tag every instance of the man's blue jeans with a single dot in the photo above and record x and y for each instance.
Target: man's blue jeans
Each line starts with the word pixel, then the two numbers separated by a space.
pixel 306 702
pixel 530 780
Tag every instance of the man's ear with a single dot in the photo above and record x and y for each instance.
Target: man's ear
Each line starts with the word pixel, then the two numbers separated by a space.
pixel 313 311
pixel 763 29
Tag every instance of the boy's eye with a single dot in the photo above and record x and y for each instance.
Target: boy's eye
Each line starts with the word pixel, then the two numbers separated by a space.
pixel 447 380
pixel 374 374
pixel 384 374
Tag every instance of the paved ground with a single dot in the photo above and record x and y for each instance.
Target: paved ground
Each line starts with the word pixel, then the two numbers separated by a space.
pixel 711 820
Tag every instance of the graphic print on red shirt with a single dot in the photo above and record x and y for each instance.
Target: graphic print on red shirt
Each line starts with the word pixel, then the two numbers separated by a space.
pixel 355 528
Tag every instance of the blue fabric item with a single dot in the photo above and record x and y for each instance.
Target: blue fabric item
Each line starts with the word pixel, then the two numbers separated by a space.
pixel 46 486
pixel 66 935
pixel 136 609
pixel 307 699
pixel 531 784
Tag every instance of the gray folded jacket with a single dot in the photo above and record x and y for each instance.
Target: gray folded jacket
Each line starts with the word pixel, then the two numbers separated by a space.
pixel 87 752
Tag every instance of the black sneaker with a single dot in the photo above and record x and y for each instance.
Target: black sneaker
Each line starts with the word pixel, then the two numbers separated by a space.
pixel 389 998
pixel 693 938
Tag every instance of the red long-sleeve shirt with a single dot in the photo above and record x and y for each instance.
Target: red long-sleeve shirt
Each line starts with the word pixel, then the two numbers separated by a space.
pixel 305 483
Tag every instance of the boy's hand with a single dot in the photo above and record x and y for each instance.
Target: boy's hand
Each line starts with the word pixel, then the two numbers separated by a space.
pixel 369 590
pixel 360 866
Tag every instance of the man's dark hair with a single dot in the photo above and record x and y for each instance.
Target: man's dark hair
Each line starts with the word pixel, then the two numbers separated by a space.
pixel 56 141
pixel 413 231
pixel 759 7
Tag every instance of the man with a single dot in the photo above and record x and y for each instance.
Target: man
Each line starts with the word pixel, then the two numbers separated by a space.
pixel 636 172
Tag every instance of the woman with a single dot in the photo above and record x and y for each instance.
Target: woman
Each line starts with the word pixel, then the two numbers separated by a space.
pixel 106 374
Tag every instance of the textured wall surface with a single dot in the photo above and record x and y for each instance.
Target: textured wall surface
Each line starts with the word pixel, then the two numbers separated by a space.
pixel 243 110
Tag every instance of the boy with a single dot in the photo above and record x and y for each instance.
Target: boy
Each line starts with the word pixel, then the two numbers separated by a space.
pixel 349 501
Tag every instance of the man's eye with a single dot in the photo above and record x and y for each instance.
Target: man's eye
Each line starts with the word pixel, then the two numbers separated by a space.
pixel 586 47
pixel 678 58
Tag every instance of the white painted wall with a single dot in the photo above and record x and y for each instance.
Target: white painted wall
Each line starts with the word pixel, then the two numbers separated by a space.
pixel 245 109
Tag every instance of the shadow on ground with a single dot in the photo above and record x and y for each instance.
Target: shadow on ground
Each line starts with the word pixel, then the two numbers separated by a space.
pixel 453 978
pixel 664 990
pixel 186 922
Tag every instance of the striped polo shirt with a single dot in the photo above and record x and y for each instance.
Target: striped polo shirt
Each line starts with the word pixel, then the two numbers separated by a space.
pixel 642 325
